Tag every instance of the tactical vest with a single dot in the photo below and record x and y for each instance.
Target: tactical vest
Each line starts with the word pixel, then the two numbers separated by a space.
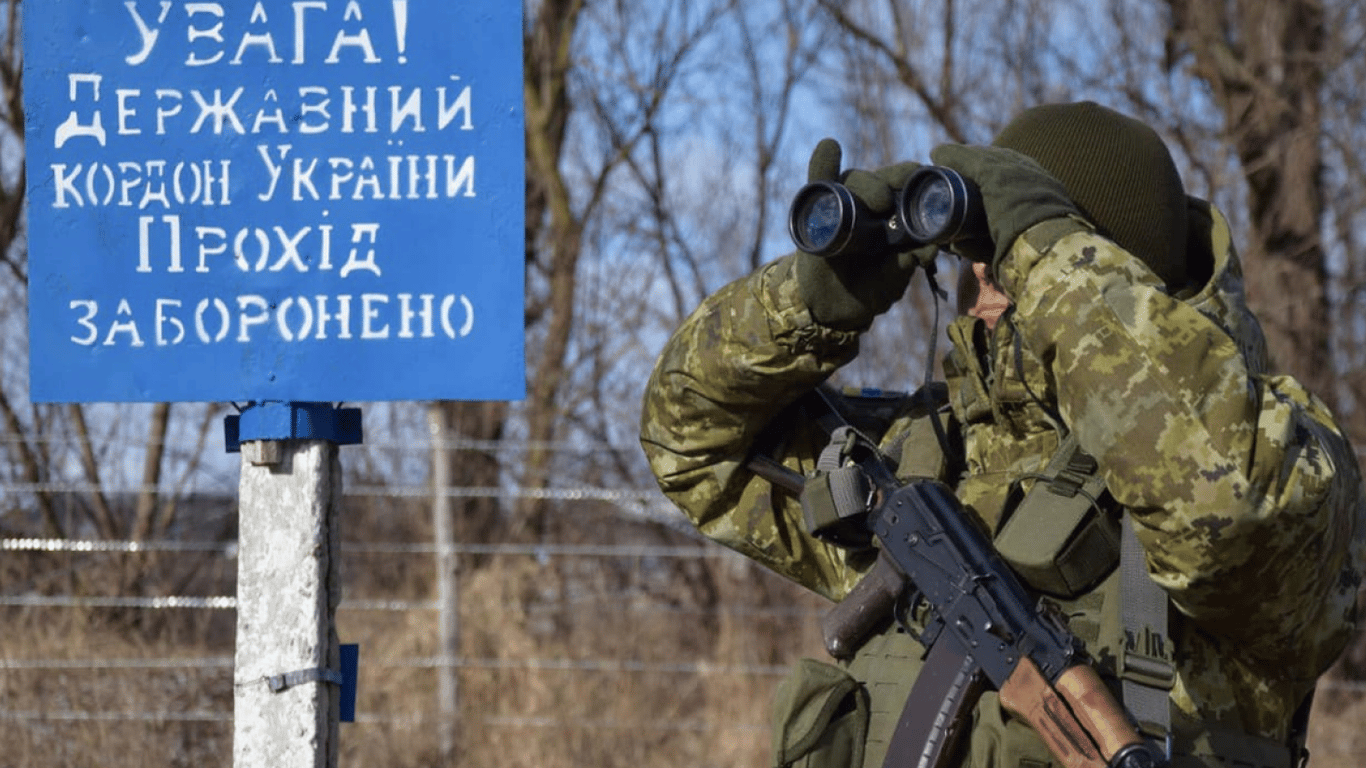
pixel 1069 541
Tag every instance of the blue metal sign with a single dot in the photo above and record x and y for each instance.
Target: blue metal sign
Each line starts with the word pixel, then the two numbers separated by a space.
pixel 281 200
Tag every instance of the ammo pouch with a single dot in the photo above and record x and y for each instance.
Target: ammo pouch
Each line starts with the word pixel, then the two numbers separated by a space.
pixel 836 499
pixel 820 718
pixel 1060 537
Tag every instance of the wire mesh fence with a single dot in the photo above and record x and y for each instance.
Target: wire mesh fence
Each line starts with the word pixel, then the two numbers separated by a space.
pixel 612 641
pixel 634 643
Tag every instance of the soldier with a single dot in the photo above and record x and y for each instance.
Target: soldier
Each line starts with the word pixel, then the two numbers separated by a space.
pixel 1109 321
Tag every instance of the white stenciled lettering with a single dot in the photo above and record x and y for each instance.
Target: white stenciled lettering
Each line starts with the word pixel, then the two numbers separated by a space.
pixel 403 110
pixel 213 32
pixel 363 184
pixel 146 34
pixel 446 325
pixel 172 223
pixel 290 254
pixel 258 109
pixel 275 117
pixel 359 39
pixel 221 112
pixel 350 107
pixel 214 28
pixel 121 99
pixel 406 314
pixel 300 9
pixel 390 177
pixel 206 182
pixel 73 127
pixel 165 110
pixel 313 114
pixel 218 248
pixel 163 318
pixel 255 318
pixel 273 248
pixel 362 233
pixel 271 168
pixel 446 113
pixel 369 312
pixel 224 318
pixel 252 311
pixel 325 234
pixel 263 40
pixel 262 242
pixel 86 321
pixel 342 316
pixel 123 323
pixel 303 178
pixel 282 318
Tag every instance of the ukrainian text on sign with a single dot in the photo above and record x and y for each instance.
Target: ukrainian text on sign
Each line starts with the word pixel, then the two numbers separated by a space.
pixel 305 200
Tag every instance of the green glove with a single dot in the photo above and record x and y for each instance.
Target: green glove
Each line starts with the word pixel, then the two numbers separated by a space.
pixel 1017 193
pixel 847 293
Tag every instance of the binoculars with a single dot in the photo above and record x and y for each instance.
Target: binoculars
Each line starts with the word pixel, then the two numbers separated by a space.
pixel 936 206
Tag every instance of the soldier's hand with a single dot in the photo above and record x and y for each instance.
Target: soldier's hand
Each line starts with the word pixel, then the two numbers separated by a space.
pixel 848 292
pixel 1017 193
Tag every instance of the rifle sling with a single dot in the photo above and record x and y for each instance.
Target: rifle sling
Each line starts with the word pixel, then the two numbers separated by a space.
pixel 1146 671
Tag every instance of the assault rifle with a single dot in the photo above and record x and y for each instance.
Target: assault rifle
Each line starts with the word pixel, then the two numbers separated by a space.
pixel 984 629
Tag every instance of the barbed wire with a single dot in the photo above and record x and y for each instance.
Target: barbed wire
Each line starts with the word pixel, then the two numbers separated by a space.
pixel 539 551
pixel 215 603
pixel 510 445
pixel 603 666
pixel 211 603
pixel 627 498
pixel 579 493
pixel 227 603
pixel 415 719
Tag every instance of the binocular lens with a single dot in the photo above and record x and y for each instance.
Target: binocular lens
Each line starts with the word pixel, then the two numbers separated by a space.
pixel 932 209
pixel 823 219
pixel 940 206
pixel 819 219
pixel 935 205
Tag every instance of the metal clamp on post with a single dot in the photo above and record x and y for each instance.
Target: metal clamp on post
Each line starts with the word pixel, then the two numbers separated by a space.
pixel 274 420
pixel 278 683
pixel 346 678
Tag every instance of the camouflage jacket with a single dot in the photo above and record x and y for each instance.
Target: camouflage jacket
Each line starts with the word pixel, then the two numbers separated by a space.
pixel 1242 489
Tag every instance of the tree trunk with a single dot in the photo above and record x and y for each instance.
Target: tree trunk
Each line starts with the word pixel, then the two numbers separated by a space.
pixel 1265 65
pixel 552 226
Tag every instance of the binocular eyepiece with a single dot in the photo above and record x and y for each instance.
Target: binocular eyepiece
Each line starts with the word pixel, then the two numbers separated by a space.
pixel 936 206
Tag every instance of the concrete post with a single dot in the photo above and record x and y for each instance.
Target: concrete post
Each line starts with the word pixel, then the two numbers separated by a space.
pixel 448 617
pixel 287 692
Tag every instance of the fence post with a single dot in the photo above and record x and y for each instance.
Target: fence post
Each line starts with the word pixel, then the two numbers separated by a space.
pixel 448 595
pixel 287 691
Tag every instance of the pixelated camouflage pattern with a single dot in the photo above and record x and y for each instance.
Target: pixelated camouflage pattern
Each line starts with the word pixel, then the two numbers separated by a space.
pixel 1244 492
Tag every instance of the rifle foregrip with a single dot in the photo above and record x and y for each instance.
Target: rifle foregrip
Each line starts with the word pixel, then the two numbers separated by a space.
pixel 1097 710
pixel 864 609
pixel 1076 716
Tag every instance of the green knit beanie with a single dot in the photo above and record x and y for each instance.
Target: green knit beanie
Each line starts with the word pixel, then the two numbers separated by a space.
pixel 1118 171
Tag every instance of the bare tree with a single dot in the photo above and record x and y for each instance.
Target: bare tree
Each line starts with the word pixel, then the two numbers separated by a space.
pixel 46 441
pixel 1265 64
pixel 614 106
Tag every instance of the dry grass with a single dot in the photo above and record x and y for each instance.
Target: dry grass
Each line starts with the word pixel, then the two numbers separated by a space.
pixel 570 661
